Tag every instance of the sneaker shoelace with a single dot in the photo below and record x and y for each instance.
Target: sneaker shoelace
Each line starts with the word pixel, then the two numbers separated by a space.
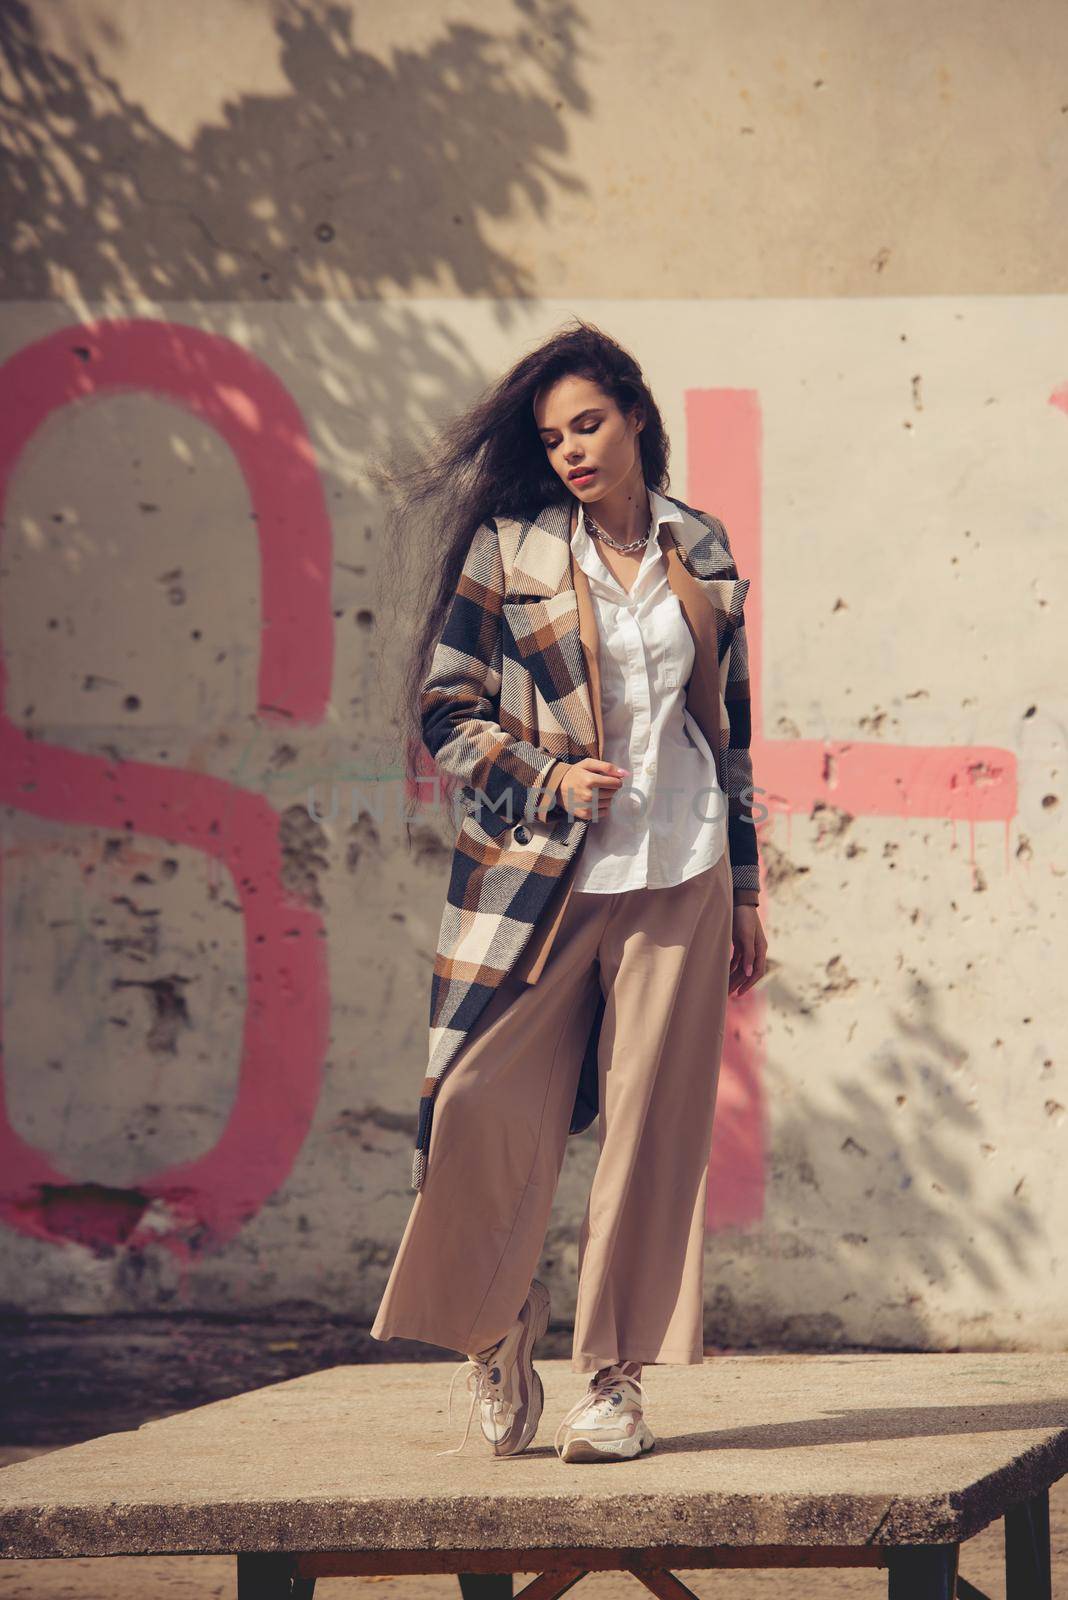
pixel 598 1397
pixel 485 1389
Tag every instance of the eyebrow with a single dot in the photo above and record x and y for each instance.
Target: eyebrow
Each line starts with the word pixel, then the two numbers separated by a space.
pixel 576 417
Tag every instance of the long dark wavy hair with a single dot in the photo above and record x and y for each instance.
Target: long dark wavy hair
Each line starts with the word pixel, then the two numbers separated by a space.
pixel 491 462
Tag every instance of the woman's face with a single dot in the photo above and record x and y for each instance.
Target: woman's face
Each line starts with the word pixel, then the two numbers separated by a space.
pixel 583 428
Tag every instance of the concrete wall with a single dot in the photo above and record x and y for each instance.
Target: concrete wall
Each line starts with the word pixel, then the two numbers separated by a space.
pixel 250 244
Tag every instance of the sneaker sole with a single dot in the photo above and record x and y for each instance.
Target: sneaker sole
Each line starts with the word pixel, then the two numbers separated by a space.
pixel 539 1321
pixel 621 1450
pixel 534 1413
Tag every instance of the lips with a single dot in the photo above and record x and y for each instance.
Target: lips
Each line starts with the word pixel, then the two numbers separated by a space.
pixel 584 476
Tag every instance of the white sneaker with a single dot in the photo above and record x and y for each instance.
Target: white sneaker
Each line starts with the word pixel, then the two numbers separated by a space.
pixel 504 1384
pixel 606 1424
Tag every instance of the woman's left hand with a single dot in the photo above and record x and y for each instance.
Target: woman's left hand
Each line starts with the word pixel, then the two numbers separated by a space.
pixel 750 950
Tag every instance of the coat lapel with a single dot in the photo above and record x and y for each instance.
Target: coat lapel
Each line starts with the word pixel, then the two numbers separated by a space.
pixel 589 637
pixel 540 568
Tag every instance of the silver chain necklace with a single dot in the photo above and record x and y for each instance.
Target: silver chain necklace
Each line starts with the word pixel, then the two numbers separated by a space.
pixel 599 533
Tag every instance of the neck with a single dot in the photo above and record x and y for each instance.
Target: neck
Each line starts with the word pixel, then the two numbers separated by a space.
pixel 623 512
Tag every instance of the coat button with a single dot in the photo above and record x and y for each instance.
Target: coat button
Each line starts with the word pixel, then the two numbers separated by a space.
pixel 521 833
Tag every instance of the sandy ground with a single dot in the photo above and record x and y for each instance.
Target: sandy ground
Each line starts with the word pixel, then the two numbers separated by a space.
pixel 205 1577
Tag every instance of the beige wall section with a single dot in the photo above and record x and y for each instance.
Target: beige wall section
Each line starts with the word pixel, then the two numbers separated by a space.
pixel 694 148
pixel 385 208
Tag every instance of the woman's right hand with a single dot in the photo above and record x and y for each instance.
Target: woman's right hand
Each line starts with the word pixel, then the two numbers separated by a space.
pixel 588 788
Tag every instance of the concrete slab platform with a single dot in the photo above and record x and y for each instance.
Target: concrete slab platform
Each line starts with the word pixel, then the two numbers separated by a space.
pixel 828 1450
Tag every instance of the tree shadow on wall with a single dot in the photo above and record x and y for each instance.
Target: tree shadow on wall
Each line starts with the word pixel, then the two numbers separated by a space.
pixel 887 1200
pixel 364 177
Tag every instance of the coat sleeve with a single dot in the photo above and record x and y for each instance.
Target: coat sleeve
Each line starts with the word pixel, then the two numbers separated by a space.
pixel 457 699
pixel 738 765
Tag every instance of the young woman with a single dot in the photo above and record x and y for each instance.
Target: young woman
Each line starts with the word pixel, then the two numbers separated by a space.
pixel 582 675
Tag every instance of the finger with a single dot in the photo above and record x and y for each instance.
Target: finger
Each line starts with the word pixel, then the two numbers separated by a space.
pixel 593 764
pixel 757 974
pixel 742 965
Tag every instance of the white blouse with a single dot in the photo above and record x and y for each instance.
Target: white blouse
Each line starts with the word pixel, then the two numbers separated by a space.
pixel 668 820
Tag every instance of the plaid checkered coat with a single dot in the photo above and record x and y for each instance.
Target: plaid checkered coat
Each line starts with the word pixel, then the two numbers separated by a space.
pixel 511 699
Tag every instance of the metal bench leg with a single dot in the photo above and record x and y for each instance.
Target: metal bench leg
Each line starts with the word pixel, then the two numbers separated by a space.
pixel 923 1571
pixel 270 1577
pixel 486 1585
pixel 1027 1568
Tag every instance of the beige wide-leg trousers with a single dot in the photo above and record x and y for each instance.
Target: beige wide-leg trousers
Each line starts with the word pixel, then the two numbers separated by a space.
pixel 499 1134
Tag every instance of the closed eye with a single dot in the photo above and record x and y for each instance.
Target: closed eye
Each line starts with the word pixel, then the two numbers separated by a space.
pixel 551 444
